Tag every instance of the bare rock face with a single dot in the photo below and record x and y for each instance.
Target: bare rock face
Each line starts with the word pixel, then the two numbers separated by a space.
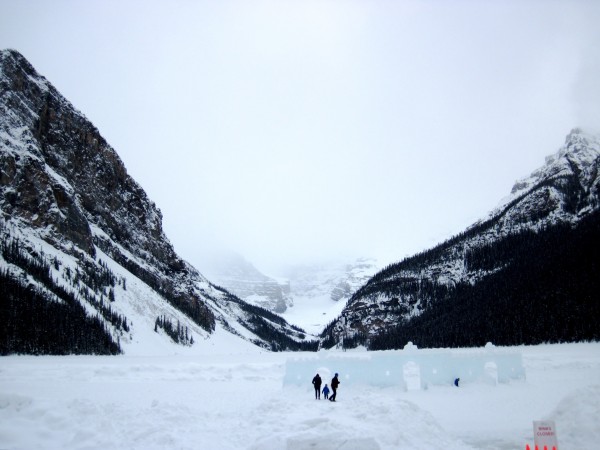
pixel 61 178
pixel 32 189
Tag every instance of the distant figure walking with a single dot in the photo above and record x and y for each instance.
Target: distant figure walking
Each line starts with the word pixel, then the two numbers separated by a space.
pixel 317 384
pixel 326 392
pixel 334 385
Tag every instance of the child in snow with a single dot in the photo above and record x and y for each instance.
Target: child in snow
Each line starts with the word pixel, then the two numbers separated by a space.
pixel 326 391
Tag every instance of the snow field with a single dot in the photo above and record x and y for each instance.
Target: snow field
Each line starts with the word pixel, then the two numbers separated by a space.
pixel 235 400
pixel 313 313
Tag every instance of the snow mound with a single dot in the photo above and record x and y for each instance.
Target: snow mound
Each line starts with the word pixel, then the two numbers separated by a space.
pixel 578 418
pixel 365 420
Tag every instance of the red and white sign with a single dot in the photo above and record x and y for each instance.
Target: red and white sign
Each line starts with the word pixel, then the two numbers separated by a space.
pixel 544 434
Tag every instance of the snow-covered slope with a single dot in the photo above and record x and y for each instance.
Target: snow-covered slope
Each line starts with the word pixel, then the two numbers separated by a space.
pixel 562 193
pixel 319 292
pixel 80 232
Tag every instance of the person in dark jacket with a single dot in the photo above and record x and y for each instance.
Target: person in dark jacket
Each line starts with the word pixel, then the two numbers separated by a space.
pixel 334 385
pixel 326 392
pixel 317 384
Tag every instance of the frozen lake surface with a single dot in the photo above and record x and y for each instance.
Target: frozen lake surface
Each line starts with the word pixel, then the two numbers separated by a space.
pixel 227 398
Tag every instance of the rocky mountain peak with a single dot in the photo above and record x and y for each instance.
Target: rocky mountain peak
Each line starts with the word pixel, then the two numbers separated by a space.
pixel 566 186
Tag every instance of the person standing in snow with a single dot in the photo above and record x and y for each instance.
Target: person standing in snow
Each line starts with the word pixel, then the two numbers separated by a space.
pixel 334 385
pixel 326 392
pixel 317 384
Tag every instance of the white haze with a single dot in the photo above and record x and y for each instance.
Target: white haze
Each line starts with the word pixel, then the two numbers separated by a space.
pixel 297 131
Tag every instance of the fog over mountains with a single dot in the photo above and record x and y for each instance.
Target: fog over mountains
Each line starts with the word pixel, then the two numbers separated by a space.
pixel 86 266
pixel 328 281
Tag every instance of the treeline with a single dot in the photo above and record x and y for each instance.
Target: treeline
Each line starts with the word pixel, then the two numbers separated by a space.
pixel 178 334
pixel 38 266
pixel 545 290
pixel 96 276
pixel 502 252
pixel 327 337
pixel 278 338
pixel 31 323
pixel 32 320
pixel 190 305
pixel 437 254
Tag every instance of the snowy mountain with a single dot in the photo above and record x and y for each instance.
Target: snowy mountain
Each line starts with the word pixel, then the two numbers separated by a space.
pixel 240 277
pixel 525 273
pixel 308 295
pixel 83 250
pixel 319 292
pixel 333 281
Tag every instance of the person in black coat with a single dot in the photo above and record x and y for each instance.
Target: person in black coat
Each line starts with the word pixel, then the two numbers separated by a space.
pixel 317 384
pixel 334 385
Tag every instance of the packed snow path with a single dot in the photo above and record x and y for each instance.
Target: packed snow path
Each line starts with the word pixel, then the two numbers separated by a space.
pixel 237 401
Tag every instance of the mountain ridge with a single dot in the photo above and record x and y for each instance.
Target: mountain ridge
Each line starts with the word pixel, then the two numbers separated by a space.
pixel 562 192
pixel 65 192
pixel 241 277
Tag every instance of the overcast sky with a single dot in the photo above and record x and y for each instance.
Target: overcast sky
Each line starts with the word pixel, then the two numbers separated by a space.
pixel 298 131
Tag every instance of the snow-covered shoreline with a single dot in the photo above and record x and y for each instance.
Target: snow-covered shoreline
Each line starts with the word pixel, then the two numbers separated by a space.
pixel 225 399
